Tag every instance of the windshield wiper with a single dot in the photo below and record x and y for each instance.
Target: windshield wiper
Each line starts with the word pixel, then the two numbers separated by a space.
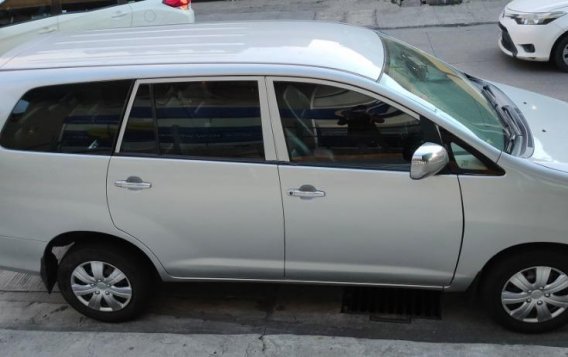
pixel 514 129
pixel 505 113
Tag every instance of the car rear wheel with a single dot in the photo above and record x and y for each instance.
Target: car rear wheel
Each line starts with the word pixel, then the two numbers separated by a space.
pixel 560 54
pixel 101 283
pixel 528 292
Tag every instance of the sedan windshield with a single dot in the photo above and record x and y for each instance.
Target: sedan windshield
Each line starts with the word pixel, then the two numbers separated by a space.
pixel 444 87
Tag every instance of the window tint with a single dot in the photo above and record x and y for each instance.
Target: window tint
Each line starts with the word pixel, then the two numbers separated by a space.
pixel 13 12
pixel 75 118
pixel 329 125
pixel 68 6
pixel 196 119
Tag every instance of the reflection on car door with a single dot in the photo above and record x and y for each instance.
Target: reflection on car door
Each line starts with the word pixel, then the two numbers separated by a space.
pixel 22 20
pixel 89 15
pixel 192 179
pixel 352 213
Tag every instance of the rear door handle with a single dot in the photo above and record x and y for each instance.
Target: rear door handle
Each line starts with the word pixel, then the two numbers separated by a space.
pixel 306 192
pixel 118 15
pixel 133 183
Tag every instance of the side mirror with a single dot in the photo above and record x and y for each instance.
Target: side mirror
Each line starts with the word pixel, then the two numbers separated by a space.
pixel 428 160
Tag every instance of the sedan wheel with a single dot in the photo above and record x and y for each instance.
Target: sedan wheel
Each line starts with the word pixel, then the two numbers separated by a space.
pixel 560 54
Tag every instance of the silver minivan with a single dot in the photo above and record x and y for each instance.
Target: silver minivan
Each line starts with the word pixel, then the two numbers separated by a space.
pixel 295 152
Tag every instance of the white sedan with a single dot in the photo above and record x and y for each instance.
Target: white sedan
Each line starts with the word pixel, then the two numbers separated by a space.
pixel 536 31
pixel 23 19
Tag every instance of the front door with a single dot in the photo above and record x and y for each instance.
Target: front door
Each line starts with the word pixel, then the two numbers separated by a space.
pixel 192 179
pixel 352 212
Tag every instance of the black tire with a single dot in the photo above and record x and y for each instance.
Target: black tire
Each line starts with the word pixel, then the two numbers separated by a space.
pixel 558 54
pixel 498 275
pixel 138 275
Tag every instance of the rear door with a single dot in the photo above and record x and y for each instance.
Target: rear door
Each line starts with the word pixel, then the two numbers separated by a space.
pixel 21 20
pixel 79 15
pixel 194 178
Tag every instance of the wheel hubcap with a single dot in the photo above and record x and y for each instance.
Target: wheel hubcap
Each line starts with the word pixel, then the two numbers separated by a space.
pixel 536 294
pixel 565 55
pixel 101 286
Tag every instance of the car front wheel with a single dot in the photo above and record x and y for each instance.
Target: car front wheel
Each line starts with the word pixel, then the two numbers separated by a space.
pixel 103 284
pixel 529 292
pixel 560 54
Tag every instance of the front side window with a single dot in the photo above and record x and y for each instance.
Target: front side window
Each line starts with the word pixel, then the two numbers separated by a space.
pixel 72 118
pixel 328 125
pixel 13 12
pixel 205 119
pixel 70 6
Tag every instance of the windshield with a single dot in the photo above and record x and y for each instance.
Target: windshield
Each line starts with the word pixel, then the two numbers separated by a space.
pixel 444 87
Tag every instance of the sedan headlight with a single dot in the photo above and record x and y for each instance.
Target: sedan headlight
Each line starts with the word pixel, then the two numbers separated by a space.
pixel 538 18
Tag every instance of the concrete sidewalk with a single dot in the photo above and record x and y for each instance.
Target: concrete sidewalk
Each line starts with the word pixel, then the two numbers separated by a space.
pixel 45 343
pixel 381 14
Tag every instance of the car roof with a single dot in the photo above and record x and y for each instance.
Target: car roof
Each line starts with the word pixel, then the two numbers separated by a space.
pixel 308 43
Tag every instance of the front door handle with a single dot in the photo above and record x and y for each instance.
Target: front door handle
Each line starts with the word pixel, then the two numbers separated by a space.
pixel 133 183
pixel 306 192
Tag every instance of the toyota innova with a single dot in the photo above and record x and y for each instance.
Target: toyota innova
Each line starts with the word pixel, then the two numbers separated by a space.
pixel 292 152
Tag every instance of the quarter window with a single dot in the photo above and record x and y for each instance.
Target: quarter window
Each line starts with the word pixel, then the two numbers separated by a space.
pixel 327 125
pixel 207 119
pixel 13 12
pixel 466 160
pixel 73 118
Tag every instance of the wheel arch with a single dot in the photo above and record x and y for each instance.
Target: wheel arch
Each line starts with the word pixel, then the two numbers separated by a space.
pixel 556 43
pixel 516 249
pixel 50 262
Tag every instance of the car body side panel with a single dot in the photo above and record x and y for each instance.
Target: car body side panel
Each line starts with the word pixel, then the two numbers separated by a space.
pixel 23 255
pixel 529 204
pixel 49 194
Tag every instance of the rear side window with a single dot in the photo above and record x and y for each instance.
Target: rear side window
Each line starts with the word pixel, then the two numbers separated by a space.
pixel 13 12
pixel 70 6
pixel 210 119
pixel 74 118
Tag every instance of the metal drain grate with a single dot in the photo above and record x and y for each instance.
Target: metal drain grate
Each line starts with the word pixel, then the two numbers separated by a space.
pixel 392 304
